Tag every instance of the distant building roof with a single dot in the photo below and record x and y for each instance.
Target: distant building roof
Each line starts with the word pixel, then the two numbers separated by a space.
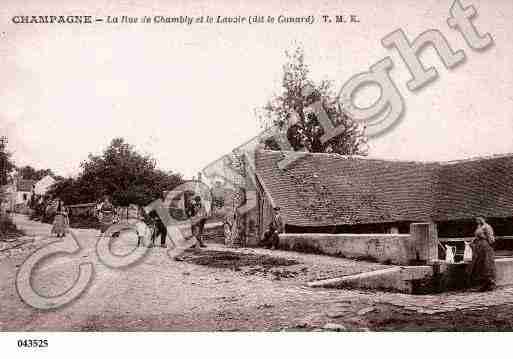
pixel 44 184
pixel 329 189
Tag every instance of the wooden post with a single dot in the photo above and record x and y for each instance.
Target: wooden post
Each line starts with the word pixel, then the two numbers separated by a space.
pixel 424 242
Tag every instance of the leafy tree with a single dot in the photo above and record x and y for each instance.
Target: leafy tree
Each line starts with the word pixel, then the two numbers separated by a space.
pixel 120 172
pixel 72 191
pixel 290 112
pixel 28 172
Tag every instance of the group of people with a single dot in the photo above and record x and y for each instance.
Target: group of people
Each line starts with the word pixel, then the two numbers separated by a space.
pixel 152 225
pixel 482 272
pixel 43 207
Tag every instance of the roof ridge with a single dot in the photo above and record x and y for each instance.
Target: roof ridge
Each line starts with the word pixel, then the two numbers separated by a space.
pixel 478 158
pixel 338 155
pixel 449 162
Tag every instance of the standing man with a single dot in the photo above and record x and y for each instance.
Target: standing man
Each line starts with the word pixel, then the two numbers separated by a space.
pixel 271 237
pixel 160 229
pixel 32 201
pixel 199 220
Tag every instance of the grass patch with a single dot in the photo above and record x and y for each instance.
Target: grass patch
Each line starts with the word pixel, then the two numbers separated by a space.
pixel 233 260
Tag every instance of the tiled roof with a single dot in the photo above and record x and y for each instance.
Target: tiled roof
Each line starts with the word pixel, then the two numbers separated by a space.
pixel 328 189
pixel 475 187
pixel 24 185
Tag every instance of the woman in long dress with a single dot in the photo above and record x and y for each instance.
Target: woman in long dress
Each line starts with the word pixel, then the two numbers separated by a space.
pixel 482 272
pixel 106 214
pixel 136 217
pixel 60 221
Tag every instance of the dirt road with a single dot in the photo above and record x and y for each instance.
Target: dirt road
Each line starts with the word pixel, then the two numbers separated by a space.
pixel 226 289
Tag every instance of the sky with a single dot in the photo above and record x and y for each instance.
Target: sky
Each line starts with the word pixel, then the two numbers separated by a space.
pixel 186 94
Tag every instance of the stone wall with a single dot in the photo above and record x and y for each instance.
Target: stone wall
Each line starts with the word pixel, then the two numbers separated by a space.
pixel 384 248
pixel 504 268
pixel 417 247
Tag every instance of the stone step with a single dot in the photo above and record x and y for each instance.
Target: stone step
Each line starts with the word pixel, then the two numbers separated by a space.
pixel 397 278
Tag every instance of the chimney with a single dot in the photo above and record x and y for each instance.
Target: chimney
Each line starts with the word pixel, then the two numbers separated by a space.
pixel 199 176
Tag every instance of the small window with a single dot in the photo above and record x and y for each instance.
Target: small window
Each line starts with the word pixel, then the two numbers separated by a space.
pixel 24 196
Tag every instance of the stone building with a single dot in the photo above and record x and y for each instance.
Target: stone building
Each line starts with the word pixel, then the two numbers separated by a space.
pixel 42 186
pixel 232 179
pixel 330 193
pixel 23 194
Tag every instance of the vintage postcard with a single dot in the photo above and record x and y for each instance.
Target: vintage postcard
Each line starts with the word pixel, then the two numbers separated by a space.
pixel 292 166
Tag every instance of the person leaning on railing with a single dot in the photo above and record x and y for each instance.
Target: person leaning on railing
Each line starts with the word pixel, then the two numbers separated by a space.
pixel 272 235
pixel 482 270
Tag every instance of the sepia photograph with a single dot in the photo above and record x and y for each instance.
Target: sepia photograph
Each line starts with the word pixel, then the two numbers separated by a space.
pixel 332 169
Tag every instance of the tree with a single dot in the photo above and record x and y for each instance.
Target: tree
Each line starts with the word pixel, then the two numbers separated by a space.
pixel 72 191
pixel 120 172
pixel 30 173
pixel 290 112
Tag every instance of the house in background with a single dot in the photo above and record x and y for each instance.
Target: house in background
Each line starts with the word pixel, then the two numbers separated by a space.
pixel 24 189
pixel 19 193
pixel 43 185
pixel 332 193
pixel 232 182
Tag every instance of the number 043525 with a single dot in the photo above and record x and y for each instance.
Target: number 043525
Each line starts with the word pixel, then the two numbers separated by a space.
pixel 32 343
